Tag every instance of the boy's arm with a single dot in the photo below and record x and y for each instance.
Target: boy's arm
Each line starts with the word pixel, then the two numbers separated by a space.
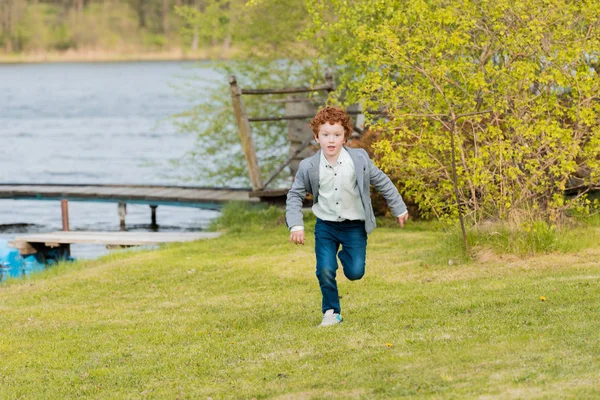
pixel 384 185
pixel 293 204
pixel 293 209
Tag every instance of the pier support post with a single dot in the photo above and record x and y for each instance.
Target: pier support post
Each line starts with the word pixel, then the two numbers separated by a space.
pixel 122 213
pixel 153 224
pixel 64 206
pixel 65 251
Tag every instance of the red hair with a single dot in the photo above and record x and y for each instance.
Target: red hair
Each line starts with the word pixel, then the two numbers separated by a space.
pixel 332 115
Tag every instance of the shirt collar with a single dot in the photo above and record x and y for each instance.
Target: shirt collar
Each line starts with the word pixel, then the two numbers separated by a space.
pixel 343 157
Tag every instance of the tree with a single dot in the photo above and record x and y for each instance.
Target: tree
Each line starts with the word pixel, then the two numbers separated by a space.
pixel 208 22
pixel 269 55
pixel 11 12
pixel 507 92
pixel 51 25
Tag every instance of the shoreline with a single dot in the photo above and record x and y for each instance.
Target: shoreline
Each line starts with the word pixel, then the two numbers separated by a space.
pixel 107 56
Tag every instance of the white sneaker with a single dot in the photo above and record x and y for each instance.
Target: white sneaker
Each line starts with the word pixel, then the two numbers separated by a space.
pixel 331 318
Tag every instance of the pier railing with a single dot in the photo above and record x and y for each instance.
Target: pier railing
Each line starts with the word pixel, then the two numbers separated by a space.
pixel 243 121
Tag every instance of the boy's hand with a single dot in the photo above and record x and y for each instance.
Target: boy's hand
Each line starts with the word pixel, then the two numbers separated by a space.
pixel 297 237
pixel 402 219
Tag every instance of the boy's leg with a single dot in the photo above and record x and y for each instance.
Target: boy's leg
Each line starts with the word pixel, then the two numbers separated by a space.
pixel 354 250
pixel 326 247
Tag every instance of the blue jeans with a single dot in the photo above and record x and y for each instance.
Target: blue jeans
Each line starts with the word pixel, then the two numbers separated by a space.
pixel 328 238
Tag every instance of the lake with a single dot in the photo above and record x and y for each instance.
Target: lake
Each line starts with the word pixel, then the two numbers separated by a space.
pixel 96 123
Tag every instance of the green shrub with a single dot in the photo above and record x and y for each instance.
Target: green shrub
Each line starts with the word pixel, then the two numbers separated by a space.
pixel 155 40
pixel 503 91
pixel 528 239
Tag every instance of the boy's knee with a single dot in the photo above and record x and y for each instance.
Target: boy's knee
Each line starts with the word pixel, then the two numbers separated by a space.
pixel 325 273
pixel 355 276
pixel 356 273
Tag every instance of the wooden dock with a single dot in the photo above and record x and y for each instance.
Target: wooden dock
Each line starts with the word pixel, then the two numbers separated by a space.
pixel 200 197
pixel 41 242
pixel 212 198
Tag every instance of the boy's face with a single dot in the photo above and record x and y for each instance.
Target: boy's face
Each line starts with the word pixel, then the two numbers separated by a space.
pixel 331 139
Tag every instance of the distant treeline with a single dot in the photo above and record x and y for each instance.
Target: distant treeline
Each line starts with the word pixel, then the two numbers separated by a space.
pixel 29 26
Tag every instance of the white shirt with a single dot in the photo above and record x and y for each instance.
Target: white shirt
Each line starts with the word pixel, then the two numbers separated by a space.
pixel 339 198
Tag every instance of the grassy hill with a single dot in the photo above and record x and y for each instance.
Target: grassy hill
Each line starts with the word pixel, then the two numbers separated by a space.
pixel 236 317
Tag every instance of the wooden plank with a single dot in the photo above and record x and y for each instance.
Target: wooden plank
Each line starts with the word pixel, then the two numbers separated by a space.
pixel 236 197
pixel 169 236
pixel 326 87
pixel 282 118
pixel 174 193
pixel 208 194
pixel 156 192
pixel 116 192
pixel 269 193
pixel 125 193
pixel 90 190
pixel 78 189
pixel 100 190
pixel 25 248
pixel 245 134
pixel 144 191
pixel 66 237
pixel 55 239
pixel 23 187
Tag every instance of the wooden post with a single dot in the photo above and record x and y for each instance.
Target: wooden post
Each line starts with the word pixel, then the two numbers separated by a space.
pixel 64 205
pixel 299 131
pixel 330 82
pixel 153 224
pixel 245 135
pixel 122 212
pixel 65 251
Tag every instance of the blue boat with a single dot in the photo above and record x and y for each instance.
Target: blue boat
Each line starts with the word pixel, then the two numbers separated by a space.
pixel 13 265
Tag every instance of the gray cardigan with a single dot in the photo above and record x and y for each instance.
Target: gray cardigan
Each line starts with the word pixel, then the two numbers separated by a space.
pixel 367 174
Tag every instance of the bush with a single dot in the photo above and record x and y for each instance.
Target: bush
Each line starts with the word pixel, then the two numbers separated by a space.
pixel 509 94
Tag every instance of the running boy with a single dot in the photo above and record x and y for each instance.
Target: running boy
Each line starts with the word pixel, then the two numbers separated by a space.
pixel 339 179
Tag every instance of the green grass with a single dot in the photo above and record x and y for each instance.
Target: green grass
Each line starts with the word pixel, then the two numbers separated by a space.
pixel 527 240
pixel 236 317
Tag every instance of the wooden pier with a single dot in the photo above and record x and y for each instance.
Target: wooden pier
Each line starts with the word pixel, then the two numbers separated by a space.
pixel 212 198
pixel 188 196
pixel 42 242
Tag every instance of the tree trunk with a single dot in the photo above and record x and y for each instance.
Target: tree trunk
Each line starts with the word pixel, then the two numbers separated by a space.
pixel 165 16
pixel 79 8
pixel 141 12
pixel 195 40
pixel 7 12
pixel 104 12
pixel 226 44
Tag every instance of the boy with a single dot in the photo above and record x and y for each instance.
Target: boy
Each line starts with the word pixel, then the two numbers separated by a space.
pixel 339 179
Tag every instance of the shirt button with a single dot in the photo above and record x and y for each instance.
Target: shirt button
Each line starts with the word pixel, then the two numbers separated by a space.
pixel 335 188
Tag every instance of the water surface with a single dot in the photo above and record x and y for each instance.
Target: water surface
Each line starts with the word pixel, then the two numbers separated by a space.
pixel 95 123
